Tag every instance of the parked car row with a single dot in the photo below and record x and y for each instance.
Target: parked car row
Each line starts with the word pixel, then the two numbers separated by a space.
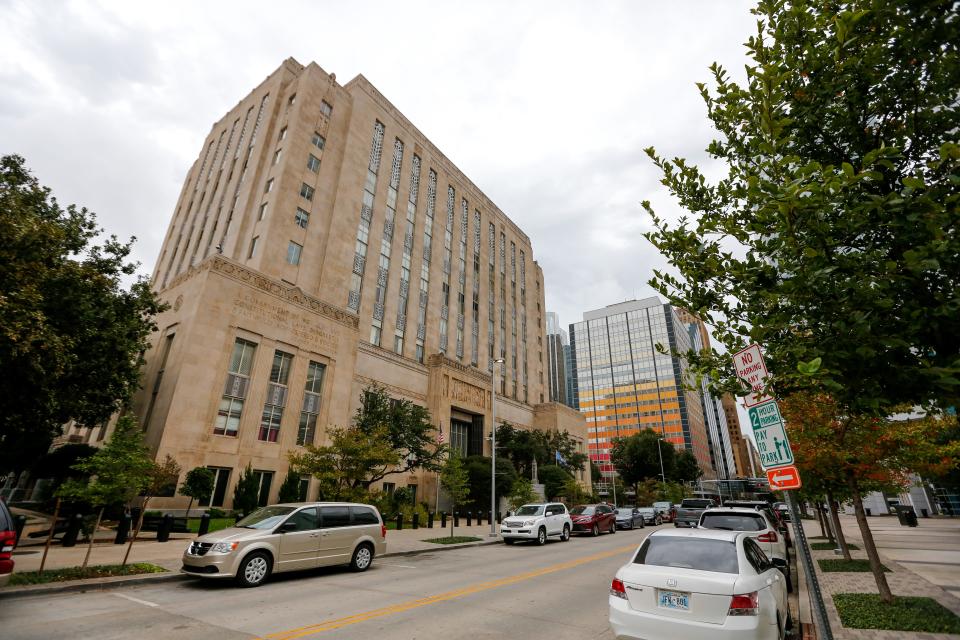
pixel 541 521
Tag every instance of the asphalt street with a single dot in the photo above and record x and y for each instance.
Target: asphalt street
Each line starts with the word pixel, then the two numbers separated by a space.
pixel 556 591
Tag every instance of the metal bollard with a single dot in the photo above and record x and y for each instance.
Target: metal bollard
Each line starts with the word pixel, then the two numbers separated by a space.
pixel 416 520
pixel 499 517
pixel 489 517
pixel 166 526
pixel 479 518
pixel 456 518
pixel 443 519
pixel 204 525
pixel 73 530
pixel 19 523
pixel 923 513
pixel 469 517
pixel 123 529
pixel 430 520
pixel 399 522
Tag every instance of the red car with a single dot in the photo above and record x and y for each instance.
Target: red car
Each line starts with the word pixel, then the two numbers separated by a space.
pixel 8 540
pixel 593 518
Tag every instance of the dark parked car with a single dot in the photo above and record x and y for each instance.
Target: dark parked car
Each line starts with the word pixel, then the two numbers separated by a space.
pixel 8 540
pixel 593 518
pixel 629 518
pixel 783 509
pixel 651 516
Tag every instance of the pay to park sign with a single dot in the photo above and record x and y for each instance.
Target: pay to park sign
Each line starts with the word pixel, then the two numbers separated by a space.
pixel 770 435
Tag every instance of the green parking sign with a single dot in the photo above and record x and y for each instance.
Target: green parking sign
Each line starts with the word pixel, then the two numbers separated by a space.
pixel 770 435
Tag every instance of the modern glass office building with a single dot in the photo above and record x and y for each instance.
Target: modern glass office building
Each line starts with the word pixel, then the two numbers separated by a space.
pixel 625 379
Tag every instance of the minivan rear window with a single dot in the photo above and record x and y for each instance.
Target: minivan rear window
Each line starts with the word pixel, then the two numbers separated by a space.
pixel 364 515
pixel 733 521
pixel 689 553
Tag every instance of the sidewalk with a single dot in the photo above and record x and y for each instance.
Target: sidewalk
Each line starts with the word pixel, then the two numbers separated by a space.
pixel 929 568
pixel 167 554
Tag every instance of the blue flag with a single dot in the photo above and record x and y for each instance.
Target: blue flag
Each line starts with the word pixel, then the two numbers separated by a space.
pixel 561 459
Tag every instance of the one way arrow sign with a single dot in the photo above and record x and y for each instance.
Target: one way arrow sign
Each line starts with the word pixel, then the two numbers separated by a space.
pixel 783 478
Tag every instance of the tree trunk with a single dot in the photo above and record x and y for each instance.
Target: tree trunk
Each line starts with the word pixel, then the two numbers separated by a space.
pixel 136 531
pixel 46 546
pixel 835 518
pixel 93 535
pixel 826 521
pixel 190 504
pixel 823 529
pixel 885 594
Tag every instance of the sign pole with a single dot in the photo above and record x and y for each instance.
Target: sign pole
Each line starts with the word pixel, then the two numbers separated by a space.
pixel 803 551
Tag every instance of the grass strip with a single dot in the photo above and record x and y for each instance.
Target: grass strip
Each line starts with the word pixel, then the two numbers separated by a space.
pixel 826 546
pixel 216 524
pixel 839 564
pixel 453 539
pixel 907 613
pixel 76 573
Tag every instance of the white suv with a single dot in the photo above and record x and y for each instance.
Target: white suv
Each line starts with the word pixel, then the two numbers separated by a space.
pixel 537 522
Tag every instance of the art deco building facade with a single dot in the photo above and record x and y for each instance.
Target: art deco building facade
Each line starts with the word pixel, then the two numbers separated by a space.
pixel 623 383
pixel 322 243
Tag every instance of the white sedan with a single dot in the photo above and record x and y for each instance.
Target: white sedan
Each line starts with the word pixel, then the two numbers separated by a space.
pixel 699 585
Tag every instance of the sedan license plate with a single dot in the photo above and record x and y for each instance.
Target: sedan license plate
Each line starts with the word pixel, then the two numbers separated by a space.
pixel 674 600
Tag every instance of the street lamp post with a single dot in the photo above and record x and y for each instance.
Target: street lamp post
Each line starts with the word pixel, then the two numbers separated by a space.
pixel 493 448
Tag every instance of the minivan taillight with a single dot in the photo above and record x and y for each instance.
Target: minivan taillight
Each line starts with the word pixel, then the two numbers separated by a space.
pixel 617 590
pixel 769 536
pixel 8 540
pixel 383 530
pixel 747 604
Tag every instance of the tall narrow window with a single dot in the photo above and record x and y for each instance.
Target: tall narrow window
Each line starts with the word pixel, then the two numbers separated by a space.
pixel 301 218
pixel 269 186
pixel 311 404
pixel 165 353
pixel 283 134
pixel 318 141
pixel 263 211
pixel 253 247
pixel 306 191
pixel 276 156
pixel 326 108
pixel 276 397
pixel 313 163
pixel 235 390
pixel 293 253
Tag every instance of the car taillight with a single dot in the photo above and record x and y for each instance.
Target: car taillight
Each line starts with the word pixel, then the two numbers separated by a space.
pixel 383 530
pixel 617 590
pixel 747 604
pixel 769 536
pixel 8 540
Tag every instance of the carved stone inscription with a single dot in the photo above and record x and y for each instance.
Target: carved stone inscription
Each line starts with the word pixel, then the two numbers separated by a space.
pixel 308 335
pixel 461 391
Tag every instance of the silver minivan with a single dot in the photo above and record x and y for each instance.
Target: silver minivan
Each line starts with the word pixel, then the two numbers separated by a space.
pixel 289 537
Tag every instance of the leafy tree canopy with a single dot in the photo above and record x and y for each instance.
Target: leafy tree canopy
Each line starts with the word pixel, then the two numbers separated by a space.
pixel 832 240
pixel 246 493
pixel 478 472
pixel 522 446
pixel 71 334
pixel 637 457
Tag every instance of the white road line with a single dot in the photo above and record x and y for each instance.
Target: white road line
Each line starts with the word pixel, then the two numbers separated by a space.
pixel 402 566
pixel 137 600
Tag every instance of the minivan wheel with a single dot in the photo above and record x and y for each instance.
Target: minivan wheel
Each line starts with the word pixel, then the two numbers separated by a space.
pixel 566 533
pixel 254 570
pixel 362 558
pixel 542 536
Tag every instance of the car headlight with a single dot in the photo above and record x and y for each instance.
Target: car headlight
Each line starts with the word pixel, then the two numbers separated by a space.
pixel 529 523
pixel 223 547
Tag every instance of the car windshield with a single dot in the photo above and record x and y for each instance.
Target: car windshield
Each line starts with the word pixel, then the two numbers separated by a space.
pixel 645 509
pixel 582 511
pixel 733 521
pixel 696 504
pixel 265 518
pixel 624 512
pixel 689 553
pixel 530 510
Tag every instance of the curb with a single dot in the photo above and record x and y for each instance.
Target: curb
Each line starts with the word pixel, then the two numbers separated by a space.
pixel 118 582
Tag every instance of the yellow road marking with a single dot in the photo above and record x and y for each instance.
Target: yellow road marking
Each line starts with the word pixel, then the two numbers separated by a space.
pixel 329 625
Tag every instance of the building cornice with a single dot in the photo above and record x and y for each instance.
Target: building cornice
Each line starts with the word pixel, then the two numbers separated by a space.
pixel 393 390
pixel 385 354
pixel 440 360
pixel 288 293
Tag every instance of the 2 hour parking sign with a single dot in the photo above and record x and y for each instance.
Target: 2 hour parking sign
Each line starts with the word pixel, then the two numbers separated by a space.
pixel 770 435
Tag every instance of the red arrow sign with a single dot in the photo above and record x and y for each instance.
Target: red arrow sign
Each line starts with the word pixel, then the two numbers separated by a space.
pixel 783 478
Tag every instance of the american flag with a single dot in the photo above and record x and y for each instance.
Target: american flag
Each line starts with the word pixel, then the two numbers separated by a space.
pixel 440 434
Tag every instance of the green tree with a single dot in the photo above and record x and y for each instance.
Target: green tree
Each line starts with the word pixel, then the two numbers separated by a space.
pixel 685 467
pixel 387 437
pixel 71 335
pixel 478 472
pixel 290 489
pixel 198 485
pixel 832 239
pixel 554 478
pixel 523 446
pixel 246 493
pixel 522 493
pixel 637 457
pixel 456 482
pixel 118 472
pixel 162 481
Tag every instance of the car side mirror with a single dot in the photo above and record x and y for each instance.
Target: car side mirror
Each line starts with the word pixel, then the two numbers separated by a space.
pixel 778 563
pixel 287 527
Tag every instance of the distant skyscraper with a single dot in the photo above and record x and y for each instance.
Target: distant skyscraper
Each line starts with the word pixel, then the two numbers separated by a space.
pixel 739 443
pixel 558 354
pixel 626 380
